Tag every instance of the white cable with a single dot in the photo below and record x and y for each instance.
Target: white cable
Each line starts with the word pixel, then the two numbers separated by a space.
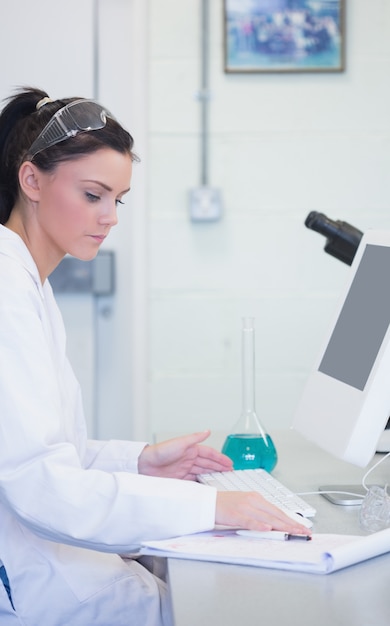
pixel 372 468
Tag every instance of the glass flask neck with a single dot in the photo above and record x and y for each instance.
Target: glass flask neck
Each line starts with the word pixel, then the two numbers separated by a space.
pixel 248 367
pixel 248 422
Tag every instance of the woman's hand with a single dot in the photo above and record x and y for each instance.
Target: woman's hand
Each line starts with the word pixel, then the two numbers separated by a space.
pixel 182 457
pixel 251 511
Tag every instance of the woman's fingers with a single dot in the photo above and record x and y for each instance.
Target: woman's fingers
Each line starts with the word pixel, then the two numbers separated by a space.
pixel 250 510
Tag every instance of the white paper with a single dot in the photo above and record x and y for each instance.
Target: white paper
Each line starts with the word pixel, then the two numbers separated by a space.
pixel 323 554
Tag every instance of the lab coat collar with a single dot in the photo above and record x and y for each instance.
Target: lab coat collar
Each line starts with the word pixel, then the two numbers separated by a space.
pixel 12 245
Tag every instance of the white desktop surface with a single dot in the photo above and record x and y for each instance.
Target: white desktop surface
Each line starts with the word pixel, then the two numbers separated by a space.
pixel 229 595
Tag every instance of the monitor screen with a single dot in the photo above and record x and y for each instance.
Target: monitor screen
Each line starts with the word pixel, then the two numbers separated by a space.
pixel 363 321
pixel 346 401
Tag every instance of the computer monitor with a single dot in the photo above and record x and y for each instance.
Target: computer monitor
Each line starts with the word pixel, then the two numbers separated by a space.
pixel 345 404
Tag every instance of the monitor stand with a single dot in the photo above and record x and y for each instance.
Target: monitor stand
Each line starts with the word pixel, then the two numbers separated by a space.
pixel 343 494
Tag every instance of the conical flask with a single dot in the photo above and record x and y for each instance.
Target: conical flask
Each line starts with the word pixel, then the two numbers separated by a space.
pixel 249 445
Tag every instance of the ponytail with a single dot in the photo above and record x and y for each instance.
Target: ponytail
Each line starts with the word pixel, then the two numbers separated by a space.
pixel 15 137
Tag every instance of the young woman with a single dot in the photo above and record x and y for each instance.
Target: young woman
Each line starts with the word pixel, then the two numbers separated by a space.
pixel 72 510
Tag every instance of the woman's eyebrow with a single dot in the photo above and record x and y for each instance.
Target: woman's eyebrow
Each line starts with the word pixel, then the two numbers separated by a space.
pixel 98 182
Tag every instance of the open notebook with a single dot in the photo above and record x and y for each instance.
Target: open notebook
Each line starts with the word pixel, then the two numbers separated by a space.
pixel 324 554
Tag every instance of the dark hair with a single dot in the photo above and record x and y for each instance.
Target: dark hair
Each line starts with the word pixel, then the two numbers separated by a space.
pixel 20 125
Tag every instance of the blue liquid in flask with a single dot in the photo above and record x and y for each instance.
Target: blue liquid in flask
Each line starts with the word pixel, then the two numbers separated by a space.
pixel 251 451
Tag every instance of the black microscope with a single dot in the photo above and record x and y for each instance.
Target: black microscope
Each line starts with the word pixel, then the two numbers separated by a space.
pixel 342 239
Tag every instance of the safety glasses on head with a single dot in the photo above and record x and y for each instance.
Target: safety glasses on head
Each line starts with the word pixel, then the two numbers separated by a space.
pixel 76 117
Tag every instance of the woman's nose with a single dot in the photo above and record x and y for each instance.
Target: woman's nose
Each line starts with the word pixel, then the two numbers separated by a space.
pixel 110 216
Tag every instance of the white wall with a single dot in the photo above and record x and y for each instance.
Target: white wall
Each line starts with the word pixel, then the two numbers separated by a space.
pixel 282 145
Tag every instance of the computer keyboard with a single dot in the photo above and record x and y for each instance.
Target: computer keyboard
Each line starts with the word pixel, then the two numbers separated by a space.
pixel 261 481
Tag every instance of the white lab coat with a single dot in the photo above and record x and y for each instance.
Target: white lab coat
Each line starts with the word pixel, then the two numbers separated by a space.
pixel 70 506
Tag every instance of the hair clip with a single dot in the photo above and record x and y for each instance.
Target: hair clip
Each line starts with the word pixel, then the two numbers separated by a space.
pixel 42 103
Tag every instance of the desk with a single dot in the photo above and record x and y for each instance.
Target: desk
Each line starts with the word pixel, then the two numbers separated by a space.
pixel 229 595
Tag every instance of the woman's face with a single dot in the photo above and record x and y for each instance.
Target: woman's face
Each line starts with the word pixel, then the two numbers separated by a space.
pixel 78 203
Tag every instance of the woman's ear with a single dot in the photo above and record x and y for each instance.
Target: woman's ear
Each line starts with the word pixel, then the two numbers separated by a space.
pixel 29 181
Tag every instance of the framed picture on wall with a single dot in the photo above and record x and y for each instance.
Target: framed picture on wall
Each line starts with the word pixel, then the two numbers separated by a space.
pixel 284 35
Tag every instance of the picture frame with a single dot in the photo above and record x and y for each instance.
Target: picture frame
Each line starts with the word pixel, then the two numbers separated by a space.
pixel 284 36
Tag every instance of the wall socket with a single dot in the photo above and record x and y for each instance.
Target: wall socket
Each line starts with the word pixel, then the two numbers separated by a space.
pixel 205 204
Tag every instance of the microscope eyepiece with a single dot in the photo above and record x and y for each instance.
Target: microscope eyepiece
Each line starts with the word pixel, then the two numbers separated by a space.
pixel 342 239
